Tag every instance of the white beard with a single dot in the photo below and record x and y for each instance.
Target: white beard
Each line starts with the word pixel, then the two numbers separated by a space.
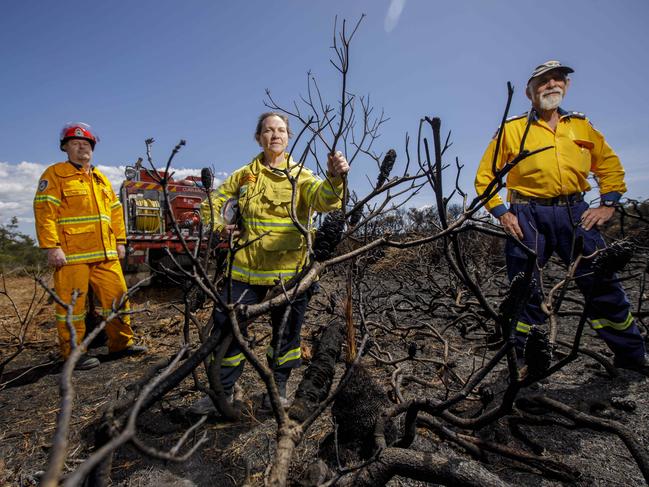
pixel 550 101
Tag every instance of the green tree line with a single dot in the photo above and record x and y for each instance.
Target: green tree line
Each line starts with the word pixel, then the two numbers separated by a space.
pixel 18 250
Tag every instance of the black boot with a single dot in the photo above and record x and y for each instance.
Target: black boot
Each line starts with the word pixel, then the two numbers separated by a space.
pixel 205 406
pixel 281 379
pixel 641 366
pixel 86 362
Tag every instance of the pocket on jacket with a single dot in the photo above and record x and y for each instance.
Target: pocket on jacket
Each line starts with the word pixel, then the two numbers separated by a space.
pixel 584 147
pixel 278 199
pixel 277 242
pixel 108 199
pixel 278 193
pixel 80 238
pixel 72 190
pixel 584 144
pixel 112 237
pixel 77 198
pixel 280 251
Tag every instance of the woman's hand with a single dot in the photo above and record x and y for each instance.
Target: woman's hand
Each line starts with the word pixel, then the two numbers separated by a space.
pixel 337 165
pixel 229 230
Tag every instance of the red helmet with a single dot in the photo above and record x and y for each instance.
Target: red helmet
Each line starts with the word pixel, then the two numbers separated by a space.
pixel 78 130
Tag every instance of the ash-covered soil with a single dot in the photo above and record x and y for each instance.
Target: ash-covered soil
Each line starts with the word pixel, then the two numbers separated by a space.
pixel 29 398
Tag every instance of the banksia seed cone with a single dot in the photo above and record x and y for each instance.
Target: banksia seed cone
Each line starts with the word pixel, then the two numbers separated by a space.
pixel 356 410
pixel 374 255
pixel 392 318
pixel 332 304
pixel 486 395
pixel 613 258
pixel 519 293
pixel 328 236
pixel 207 178
pixel 624 404
pixel 412 349
pixel 355 216
pixel 386 167
pixel 538 352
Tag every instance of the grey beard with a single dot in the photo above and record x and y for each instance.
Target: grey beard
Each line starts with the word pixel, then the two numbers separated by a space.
pixel 550 102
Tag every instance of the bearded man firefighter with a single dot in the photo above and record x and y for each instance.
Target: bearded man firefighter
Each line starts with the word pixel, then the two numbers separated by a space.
pixel 79 221
pixel 547 207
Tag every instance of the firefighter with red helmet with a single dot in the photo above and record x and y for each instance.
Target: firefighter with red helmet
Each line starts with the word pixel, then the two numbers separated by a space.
pixel 79 221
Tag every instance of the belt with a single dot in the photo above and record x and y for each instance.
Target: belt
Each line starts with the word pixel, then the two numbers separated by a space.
pixel 564 200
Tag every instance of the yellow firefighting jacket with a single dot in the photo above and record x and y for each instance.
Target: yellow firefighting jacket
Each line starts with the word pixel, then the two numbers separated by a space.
pixel 577 150
pixel 275 248
pixel 79 213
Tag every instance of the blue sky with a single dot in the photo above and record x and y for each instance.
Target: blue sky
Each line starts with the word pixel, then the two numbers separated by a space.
pixel 198 70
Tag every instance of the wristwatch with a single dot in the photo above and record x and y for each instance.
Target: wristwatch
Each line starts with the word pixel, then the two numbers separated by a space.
pixel 608 203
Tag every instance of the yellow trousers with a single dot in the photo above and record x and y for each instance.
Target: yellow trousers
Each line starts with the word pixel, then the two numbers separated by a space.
pixel 108 283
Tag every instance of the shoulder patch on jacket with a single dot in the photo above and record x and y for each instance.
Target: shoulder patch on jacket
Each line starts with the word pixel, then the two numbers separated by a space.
pixel 516 117
pixel 247 178
pixel 42 185
pixel 576 115
pixel 241 172
pixel 510 119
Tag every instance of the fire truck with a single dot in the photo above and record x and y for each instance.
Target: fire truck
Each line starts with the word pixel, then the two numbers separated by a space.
pixel 149 228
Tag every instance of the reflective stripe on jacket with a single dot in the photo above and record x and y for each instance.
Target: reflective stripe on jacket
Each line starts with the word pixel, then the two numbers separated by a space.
pixel 577 150
pixel 276 247
pixel 78 212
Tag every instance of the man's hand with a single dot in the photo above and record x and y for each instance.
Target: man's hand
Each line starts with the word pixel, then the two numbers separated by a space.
pixel 596 216
pixel 509 222
pixel 121 251
pixel 337 165
pixel 230 230
pixel 56 257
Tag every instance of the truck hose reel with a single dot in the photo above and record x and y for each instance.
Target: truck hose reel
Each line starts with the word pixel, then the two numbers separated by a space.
pixel 147 215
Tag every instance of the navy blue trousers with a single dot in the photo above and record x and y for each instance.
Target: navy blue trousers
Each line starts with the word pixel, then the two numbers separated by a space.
pixel 284 353
pixel 549 229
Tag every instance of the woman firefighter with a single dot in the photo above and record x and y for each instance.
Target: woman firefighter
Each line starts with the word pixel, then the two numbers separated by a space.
pixel 274 249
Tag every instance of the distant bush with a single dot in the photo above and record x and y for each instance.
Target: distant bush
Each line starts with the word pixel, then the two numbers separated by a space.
pixel 18 250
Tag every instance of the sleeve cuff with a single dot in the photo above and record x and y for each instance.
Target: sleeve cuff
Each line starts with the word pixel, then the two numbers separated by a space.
pixel 335 180
pixel 613 196
pixel 499 210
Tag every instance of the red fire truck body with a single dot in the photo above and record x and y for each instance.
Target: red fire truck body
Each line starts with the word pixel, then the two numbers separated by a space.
pixel 149 227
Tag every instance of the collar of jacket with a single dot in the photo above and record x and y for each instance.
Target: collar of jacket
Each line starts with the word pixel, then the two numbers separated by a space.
pixel 69 168
pixel 534 116
pixel 79 167
pixel 257 165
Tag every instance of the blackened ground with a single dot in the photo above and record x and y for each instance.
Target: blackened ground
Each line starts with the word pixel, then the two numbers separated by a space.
pixel 28 412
